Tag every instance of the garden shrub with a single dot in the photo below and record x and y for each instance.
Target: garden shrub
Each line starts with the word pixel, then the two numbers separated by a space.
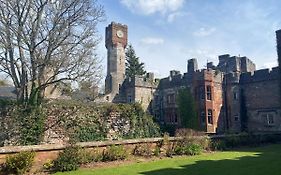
pixel 192 143
pixel 193 149
pixel 232 141
pixel 170 149
pixel 68 160
pixel 48 165
pixel 218 145
pixel 188 149
pixel 205 142
pixel 179 150
pixel 157 150
pixel 88 156
pixel 19 163
pixel 143 150
pixel 114 152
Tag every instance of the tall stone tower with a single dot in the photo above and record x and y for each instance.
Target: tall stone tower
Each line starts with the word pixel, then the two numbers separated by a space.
pixel 115 42
pixel 192 65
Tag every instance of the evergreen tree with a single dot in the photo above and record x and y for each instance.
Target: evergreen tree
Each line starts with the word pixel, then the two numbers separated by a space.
pixel 133 66
pixel 186 109
pixel 278 40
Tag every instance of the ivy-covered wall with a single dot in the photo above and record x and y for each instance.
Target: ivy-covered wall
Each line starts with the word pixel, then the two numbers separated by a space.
pixel 63 120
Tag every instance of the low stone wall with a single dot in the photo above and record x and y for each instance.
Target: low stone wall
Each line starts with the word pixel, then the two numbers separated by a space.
pixel 48 152
pixel 45 153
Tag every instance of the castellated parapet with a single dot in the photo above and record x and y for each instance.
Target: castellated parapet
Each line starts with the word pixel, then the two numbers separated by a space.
pixel 141 81
pixel 260 75
pixel 228 64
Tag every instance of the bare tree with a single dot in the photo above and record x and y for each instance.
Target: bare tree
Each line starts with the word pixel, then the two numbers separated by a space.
pixel 43 42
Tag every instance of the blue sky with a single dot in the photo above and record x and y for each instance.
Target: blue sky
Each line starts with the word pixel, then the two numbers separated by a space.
pixel 165 33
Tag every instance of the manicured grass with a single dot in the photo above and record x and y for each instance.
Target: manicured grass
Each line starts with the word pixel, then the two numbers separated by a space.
pixel 265 160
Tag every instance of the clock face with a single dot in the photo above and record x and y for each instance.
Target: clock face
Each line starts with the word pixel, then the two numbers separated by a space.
pixel 119 34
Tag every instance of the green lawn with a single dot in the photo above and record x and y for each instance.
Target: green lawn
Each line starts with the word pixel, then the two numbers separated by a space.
pixel 265 160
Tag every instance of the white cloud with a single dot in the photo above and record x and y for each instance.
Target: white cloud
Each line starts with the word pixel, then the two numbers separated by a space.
pixel 204 32
pixel 148 7
pixel 269 64
pixel 174 15
pixel 152 40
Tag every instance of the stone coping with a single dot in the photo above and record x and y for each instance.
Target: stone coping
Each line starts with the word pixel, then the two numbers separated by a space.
pixel 58 147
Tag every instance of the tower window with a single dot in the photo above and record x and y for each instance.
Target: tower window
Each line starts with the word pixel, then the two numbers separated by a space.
pixel 236 118
pixel 176 118
pixel 202 92
pixel 209 93
pixel 129 98
pixel 171 98
pixel 210 116
pixel 203 117
pixel 235 95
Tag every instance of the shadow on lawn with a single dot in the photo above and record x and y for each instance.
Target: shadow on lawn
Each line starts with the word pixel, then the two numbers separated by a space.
pixel 265 162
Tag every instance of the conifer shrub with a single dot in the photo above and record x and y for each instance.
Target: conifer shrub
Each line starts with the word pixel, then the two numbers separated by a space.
pixel 157 150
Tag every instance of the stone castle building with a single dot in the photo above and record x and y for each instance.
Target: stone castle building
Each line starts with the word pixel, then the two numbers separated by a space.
pixel 231 96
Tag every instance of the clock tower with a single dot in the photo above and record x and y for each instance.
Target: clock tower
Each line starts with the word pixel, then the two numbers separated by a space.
pixel 115 42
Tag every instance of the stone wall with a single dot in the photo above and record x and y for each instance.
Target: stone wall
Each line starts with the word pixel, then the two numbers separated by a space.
pixel 46 153
pixel 67 120
pixel 262 102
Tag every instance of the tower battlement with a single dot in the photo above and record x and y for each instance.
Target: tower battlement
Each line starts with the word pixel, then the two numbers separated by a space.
pixel 260 75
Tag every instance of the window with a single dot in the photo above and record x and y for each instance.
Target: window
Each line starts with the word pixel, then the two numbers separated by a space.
pixel 202 92
pixel 203 117
pixel 209 93
pixel 119 86
pixel 268 119
pixel 120 60
pixel 107 98
pixel 235 95
pixel 129 98
pixel 170 118
pixel 171 98
pixel 210 116
pixel 236 118
pixel 176 118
